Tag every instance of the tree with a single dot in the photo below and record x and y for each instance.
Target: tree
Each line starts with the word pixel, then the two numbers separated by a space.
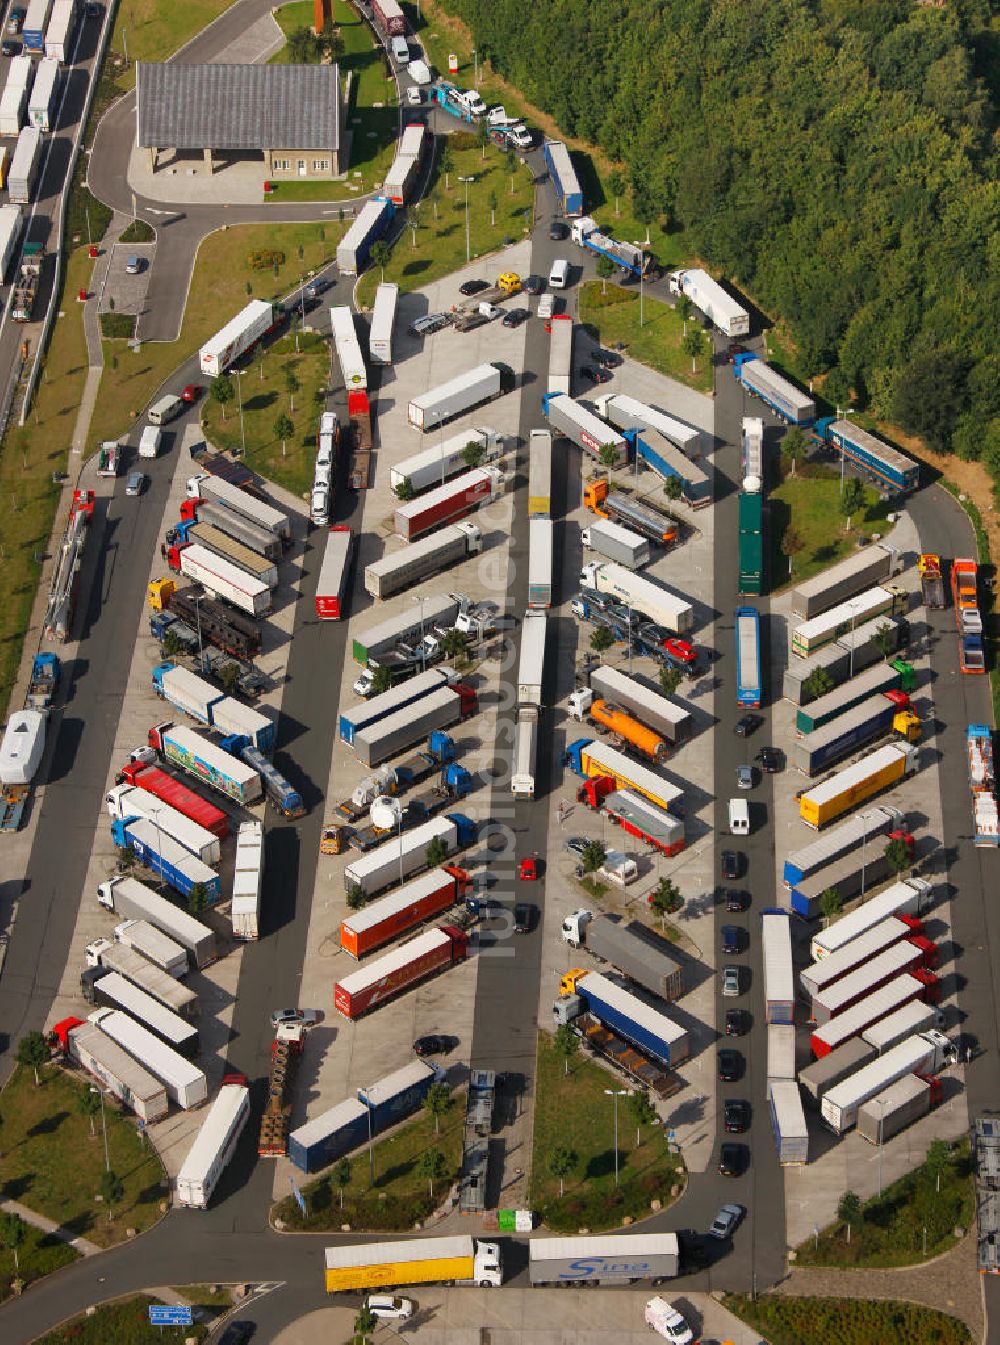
pixel 594 855
pixel 684 309
pixel 605 268
pixel 355 897
pixel 565 1043
pixel 405 491
pixel 510 162
pixel 455 643
pixel 793 445
pixel 88 1103
pixel 473 454
pixel 381 681
pixel 292 386
pixel 852 497
pixel 643 1111
pixel 197 898
pixel 601 639
pixel 938 1160
pixel 898 856
pixel 437 853
pixel 482 136
pixel 791 545
pixel 411 219
pixel 491 201
pixel 616 186
pixel 112 1190
pixel 432 1166
pixel 33 1052
pixel 670 680
pixel 303 47
pixel 222 391
pixel 365 1323
pixel 561 1162
pixel 331 42
pixel 666 898
pixel 693 344
pixel 930 395
pixel 13 1231
pixel 229 676
pixel 342 1177
pixel 849 1210
pixel 817 684
pixel 380 254
pixel 436 1102
pixel 831 903
pixel 284 428
pixel 885 639
pixel 673 488
pixel 447 163
pixel 608 455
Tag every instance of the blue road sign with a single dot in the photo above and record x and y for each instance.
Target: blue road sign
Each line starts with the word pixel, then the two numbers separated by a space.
pixel 161 1314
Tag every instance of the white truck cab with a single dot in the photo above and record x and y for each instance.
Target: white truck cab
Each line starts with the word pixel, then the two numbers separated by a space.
pixel 580 702
pixel 619 869
pixel 574 927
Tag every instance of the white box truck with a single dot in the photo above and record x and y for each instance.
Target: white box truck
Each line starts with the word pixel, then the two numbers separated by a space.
pixel 382 323
pixel 719 307
pixel 482 384
pixel 214 1144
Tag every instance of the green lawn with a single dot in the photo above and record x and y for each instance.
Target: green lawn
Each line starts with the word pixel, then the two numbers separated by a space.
pixel 400 1195
pixel 572 1111
pixel 122 1323
pixel 52 1164
pixel 38 1255
pixel 264 398
pixel 847 1321
pixel 808 501
pixel 892 1229
pixel 149 30
pixel 440 236
pixel 613 314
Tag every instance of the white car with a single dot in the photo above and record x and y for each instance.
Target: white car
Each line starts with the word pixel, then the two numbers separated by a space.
pixel 497 116
pixel 387 1308
pixel 414 97
pixel 663 1318
pixel 319 508
pixel 364 682
pixel 520 137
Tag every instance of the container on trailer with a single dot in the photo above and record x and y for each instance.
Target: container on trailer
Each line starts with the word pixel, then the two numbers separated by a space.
pixel 382 921
pixel 447 503
pixel 186 691
pixel 873 1009
pixel 818 1078
pixel 648 706
pixel 540 551
pixel 887 1032
pixel 924 1053
pixel 402 569
pixel 153 944
pixel 131 899
pixel 123 1077
pixel 238 336
pixel 598 759
pixel 780 1051
pixel 749 682
pixel 522 780
pixel 460 394
pixel 910 896
pixel 35 21
pixel 207 762
pixel 879 461
pixel 434 466
pixel 207 535
pixel 222 579
pixel 185 1083
pixel 539 474
pixel 872 682
pixel 44 96
pixel 59 33
pixel 400 857
pixel 788 1122
pixel 563 177
pixel 398 1095
pixel 609 1258
pixel 561 354
pixel 384 311
pixel 378 981
pixel 227 520
pixel 863 570
pixel 584 428
pixel 325 1138
pixel 259 512
pixel 109 989
pixel 531 663
pixel 897 1107
pixel 370 711
pixel 455 1260
pixel 125 801
pixel 387 737
pixel 855 784
pixel 166 857
pixel 618 544
pixel 718 305
pixel 639 953
pixel 334 574
pixel 185 801
pixel 25 165
pixel 837 998
pixel 631 1017
pixel 131 964
pixel 838 621
pixel 779 981
pixel 838 843
pixel 750 543
pixel 398 181
pixel 641 594
pixel 214 1144
pixel 370 223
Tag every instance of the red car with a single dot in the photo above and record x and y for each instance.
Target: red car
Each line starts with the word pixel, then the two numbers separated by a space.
pixel 681 650
pixel 191 393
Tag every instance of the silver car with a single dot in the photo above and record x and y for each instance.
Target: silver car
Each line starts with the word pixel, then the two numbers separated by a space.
pixel 744 777
pixel 730 981
pixel 135 483
pixel 726 1221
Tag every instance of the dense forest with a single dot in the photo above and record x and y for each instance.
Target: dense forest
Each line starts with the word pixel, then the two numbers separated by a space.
pixel 837 158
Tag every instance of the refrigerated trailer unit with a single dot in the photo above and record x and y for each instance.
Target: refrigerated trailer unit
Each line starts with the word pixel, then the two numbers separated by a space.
pixel 717 304
pixel 123 1077
pixel 238 336
pixel 132 900
pixel 531 663
pixel 42 101
pixel 539 474
pixel 214 1144
pixel 866 569
pixel 434 466
pixel 382 921
pixel 447 503
pixel 462 393
pixel 384 313
pixel 401 569
pixel 109 989
pixel 788 1122
pixel 779 981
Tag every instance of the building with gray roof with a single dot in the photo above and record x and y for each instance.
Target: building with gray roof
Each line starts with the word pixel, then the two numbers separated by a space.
pixel 292 115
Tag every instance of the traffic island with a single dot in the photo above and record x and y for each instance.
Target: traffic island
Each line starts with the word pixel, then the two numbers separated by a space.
pixel 579 1179
pixel 849 1321
pixel 126 1322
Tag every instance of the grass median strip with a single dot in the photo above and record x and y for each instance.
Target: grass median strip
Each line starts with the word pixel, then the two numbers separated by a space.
pixel 123 1323
pixel 848 1321
pixel 613 312
pixel 805 508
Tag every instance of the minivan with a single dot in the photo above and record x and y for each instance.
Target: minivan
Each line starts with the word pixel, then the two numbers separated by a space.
pixel 739 817
pixel 400 51
pixel 149 442
pixel 559 275
pixel 165 409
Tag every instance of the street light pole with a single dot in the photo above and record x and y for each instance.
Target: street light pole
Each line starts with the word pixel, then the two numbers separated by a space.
pixel 468 252
pixel 423 649
pixel 615 1094
pixel 239 398
pixel 371 1151
pixel 198 599
pixel 155 815
pixel 104 1127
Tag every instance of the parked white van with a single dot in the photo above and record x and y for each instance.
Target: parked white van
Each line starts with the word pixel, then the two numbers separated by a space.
pixel 149 442
pixel 559 275
pixel 165 409
pixel 739 817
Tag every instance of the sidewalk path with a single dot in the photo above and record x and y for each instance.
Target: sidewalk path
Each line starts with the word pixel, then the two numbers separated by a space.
pixel 950 1283
pixel 83 1245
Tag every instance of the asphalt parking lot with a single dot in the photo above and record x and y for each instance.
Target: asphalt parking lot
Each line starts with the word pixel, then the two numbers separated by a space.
pixel 125 293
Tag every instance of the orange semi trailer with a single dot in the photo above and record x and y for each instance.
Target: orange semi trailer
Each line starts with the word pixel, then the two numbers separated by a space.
pixel 637 735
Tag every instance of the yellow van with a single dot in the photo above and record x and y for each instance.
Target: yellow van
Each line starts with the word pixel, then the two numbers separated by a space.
pixel 509 282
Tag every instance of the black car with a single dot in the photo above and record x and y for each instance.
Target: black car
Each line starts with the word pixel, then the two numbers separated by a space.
pixel 474 287
pixel 730 1064
pixel 732 865
pixel 736 1116
pixel 515 316
pixel 595 373
pixel 748 724
pixel 734 939
pixel 237 1333
pixel 732 1160
pixel 770 760
pixel 736 1022
pixel 433 1044
pixel 15 20
pixel 524 917
pixel 10 48
pixel 533 285
pixel 608 359
pixel 558 231
pixel 737 899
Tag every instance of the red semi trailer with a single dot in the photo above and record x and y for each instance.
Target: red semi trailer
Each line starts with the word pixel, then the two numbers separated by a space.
pixel 163 786
pixel 370 986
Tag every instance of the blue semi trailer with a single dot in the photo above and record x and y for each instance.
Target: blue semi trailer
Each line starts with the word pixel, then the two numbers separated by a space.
pixel 563 177
pixel 886 466
pixel 165 856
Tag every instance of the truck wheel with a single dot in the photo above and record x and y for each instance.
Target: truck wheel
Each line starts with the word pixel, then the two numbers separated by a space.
pixel 486 1284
